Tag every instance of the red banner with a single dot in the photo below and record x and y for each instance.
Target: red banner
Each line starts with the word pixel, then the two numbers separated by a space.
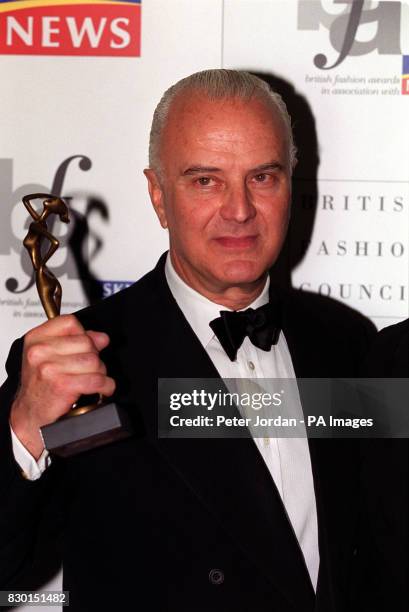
pixel 77 29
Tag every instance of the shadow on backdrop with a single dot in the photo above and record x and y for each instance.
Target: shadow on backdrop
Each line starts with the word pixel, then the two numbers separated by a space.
pixel 85 245
pixel 304 183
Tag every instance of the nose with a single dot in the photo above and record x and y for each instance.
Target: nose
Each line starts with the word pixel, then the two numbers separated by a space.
pixel 237 205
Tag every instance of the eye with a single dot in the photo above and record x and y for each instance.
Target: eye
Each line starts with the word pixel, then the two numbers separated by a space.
pixel 204 181
pixel 262 177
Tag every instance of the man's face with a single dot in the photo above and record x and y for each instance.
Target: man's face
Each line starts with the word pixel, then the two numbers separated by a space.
pixel 224 190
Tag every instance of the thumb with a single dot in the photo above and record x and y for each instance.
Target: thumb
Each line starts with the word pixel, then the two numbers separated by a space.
pixel 100 339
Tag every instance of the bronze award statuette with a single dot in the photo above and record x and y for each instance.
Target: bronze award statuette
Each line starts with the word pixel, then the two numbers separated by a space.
pixel 91 421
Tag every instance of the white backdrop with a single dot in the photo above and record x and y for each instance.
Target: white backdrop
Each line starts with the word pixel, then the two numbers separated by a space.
pixel 99 108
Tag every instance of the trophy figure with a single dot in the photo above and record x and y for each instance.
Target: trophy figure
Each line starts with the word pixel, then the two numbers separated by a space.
pixel 91 421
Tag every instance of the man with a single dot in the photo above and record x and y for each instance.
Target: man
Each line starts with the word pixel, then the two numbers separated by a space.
pixel 384 563
pixel 192 524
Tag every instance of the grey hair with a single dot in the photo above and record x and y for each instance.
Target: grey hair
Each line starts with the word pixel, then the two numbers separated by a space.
pixel 218 84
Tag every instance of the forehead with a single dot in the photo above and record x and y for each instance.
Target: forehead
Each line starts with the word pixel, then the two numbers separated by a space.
pixel 222 126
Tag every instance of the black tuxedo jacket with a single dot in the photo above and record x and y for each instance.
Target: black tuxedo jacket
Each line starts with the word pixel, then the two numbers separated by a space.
pixel 183 525
pixel 385 564
pixel 388 355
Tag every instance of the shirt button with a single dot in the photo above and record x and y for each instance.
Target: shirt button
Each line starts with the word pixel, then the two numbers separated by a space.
pixel 251 365
pixel 216 576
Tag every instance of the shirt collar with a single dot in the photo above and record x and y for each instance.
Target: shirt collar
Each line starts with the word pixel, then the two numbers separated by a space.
pixel 199 310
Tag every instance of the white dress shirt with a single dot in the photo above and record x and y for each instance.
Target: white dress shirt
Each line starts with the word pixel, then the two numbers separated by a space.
pixel 31 468
pixel 287 459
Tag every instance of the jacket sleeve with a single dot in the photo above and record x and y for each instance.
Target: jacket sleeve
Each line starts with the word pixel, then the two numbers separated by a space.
pixel 30 511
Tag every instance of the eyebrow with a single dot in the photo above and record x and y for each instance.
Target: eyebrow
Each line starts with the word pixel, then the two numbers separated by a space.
pixel 198 169
pixel 268 166
pixel 204 169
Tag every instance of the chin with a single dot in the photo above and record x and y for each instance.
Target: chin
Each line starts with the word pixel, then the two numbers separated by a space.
pixel 241 271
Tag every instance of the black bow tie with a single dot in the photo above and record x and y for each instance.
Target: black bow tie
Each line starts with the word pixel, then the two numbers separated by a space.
pixel 262 326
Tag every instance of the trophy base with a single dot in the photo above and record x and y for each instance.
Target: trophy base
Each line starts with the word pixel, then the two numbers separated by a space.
pixel 71 435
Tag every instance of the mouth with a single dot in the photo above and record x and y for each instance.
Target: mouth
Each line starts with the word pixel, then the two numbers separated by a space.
pixel 236 242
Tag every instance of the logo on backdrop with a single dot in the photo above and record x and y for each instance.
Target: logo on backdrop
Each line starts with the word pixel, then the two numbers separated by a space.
pixel 11 198
pixel 349 37
pixel 111 287
pixel 343 28
pixel 70 27
pixel 15 289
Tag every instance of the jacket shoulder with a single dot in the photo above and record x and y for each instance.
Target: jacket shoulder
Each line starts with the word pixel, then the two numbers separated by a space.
pixel 327 314
pixel 116 310
pixel 389 352
pixel 326 338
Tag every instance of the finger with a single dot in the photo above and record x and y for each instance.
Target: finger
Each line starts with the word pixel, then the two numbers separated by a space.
pixel 83 363
pixel 87 384
pixel 51 348
pixel 63 325
pixel 100 339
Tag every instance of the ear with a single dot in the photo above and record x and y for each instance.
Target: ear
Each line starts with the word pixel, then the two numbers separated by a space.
pixel 156 195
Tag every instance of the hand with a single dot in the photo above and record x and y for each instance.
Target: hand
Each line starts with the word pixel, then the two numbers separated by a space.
pixel 60 363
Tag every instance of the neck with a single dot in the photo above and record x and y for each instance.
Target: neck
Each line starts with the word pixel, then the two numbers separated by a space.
pixel 237 298
pixel 234 297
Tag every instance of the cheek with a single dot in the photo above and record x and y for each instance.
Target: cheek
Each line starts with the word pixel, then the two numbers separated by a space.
pixel 188 224
pixel 276 217
pixel 190 218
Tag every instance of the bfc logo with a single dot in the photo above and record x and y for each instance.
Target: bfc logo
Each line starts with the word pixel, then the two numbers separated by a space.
pixel 70 27
pixel 388 35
